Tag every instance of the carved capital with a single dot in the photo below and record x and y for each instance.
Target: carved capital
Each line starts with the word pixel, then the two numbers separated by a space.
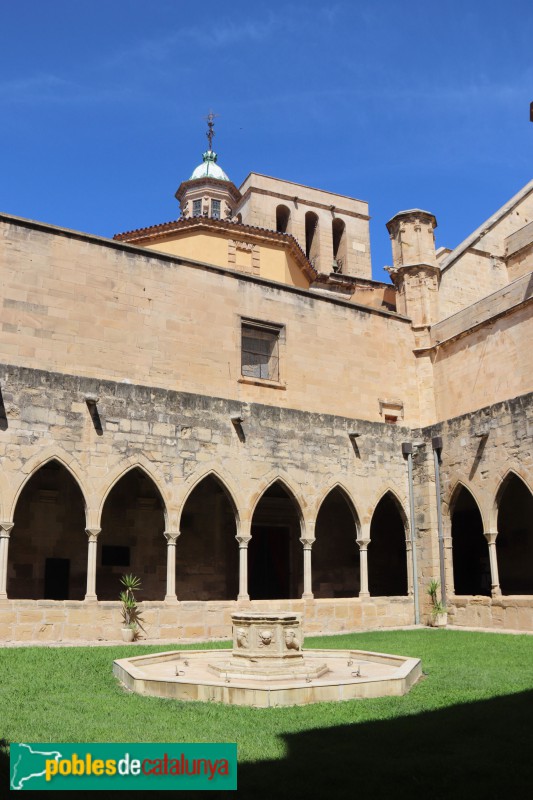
pixel 243 540
pixel 171 537
pixel 93 533
pixel 491 536
pixel 5 529
pixel 307 543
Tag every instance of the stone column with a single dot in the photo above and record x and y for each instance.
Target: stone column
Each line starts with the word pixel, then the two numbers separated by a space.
pixel 363 567
pixel 5 531
pixel 308 577
pixel 172 538
pixel 493 558
pixel 92 534
pixel 243 567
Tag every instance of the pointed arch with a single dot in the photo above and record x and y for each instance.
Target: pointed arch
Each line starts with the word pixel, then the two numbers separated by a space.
pixel 500 490
pixel 286 482
pixel 336 559
pixel 48 549
pixel 119 472
pixel 387 552
pixel 227 483
pixel 391 492
pixel 471 565
pixel 514 543
pixel 275 552
pixel 133 518
pixel 33 465
pixel 349 500
pixel 207 556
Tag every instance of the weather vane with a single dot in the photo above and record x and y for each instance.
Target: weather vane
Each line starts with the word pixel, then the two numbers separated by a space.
pixel 210 128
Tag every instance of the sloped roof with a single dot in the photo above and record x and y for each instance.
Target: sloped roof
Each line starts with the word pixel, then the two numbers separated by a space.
pixel 153 232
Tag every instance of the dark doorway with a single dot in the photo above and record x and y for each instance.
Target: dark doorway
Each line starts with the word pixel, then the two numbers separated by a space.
pixel 387 555
pixel 270 557
pixel 275 554
pixel 56 578
pixel 514 543
pixel 471 566
pixel 49 529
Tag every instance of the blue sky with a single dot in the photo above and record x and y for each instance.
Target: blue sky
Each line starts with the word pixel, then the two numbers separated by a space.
pixel 403 104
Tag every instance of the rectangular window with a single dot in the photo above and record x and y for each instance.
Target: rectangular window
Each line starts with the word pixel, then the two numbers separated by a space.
pixel 197 208
pixel 260 351
pixel 215 209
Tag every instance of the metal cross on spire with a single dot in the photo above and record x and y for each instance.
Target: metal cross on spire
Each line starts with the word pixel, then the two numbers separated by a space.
pixel 210 128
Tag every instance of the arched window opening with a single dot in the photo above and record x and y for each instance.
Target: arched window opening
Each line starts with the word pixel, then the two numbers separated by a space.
pixel 283 216
pixel 335 552
pixel 311 237
pixel 471 566
pixel 207 553
pixel 514 543
pixel 339 245
pixel 48 547
pixel 387 555
pixel 275 566
pixel 132 540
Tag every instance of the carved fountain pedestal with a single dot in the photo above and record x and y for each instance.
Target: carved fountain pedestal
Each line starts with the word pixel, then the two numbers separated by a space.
pixel 267 646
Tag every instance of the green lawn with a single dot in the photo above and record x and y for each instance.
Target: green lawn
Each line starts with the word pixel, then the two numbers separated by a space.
pixel 464 731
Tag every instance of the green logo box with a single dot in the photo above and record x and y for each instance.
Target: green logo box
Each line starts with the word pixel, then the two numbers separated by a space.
pixel 73 766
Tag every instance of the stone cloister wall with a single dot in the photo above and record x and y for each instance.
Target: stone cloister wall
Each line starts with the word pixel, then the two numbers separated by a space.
pixel 480 451
pixel 178 439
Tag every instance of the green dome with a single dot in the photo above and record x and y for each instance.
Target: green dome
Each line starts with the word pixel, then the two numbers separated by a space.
pixel 209 168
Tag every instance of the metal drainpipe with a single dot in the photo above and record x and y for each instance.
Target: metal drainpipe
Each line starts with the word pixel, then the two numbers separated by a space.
pixel 436 443
pixel 407 449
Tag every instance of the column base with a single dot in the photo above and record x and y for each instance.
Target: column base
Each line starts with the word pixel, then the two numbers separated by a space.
pixel 90 598
pixel 496 591
pixel 171 599
pixel 243 598
pixel 308 596
pixel 363 595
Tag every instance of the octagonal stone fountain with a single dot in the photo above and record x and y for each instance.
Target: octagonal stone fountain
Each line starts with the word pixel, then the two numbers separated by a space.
pixel 268 667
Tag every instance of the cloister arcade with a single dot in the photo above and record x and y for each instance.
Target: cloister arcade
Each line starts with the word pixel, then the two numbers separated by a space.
pixel 218 551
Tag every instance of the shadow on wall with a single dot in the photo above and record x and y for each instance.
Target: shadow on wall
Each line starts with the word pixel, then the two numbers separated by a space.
pixel 478 750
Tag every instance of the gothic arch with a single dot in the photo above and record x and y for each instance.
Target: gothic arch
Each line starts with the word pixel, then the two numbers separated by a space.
pixel 34 464
pixel 227 483
pixel 48 550
pixel 349 500
pixel 275 552
pixel 336 559
pixel 514 543
pixel 452 495
pixel 287 484
pixel 398 502
pixel 471 567
pixel 502 484
pixel 387 552
pixel 120 471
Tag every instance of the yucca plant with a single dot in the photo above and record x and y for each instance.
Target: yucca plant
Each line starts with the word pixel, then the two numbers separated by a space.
pixel 131 616
pixel 436 606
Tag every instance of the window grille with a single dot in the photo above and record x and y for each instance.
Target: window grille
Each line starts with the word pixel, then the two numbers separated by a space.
pixel 197 208
pixel 260 352
pixel 215 209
